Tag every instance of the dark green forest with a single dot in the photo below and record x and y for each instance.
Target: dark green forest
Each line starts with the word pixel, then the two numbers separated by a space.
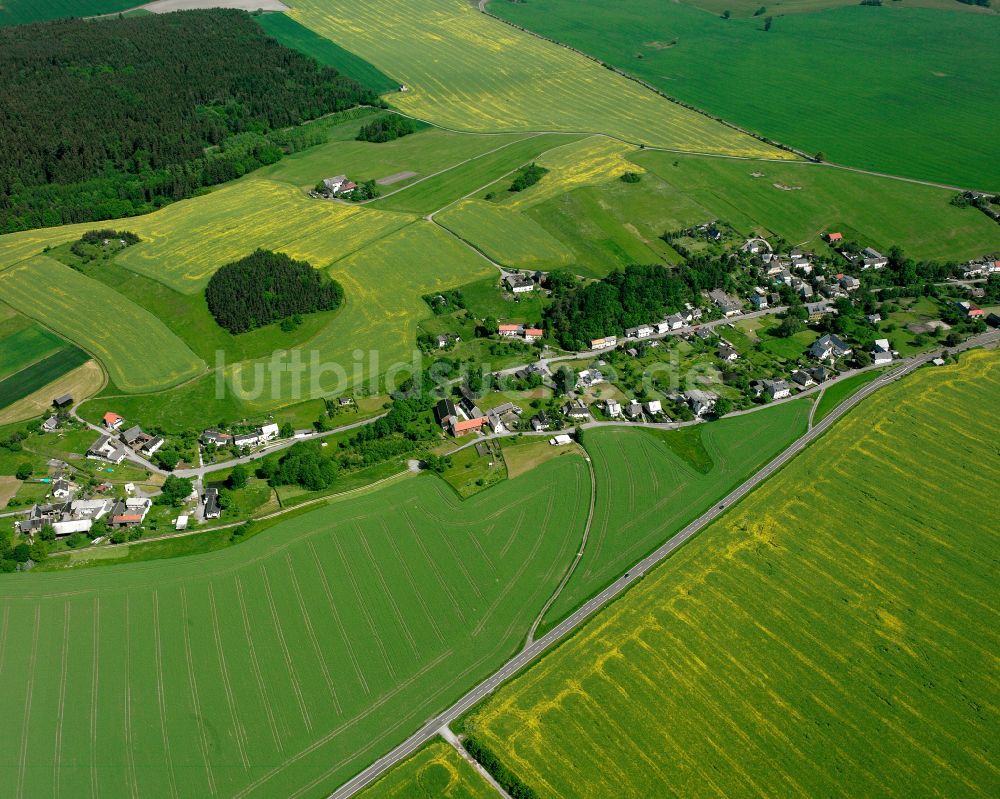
pixel 386 128
pixel 268 287
pixel 116 117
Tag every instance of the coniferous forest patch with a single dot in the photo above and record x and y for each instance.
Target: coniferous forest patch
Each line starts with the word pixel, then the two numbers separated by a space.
pixel 268 287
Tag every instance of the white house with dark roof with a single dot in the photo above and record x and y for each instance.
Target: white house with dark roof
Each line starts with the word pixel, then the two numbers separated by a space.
pixel 829 347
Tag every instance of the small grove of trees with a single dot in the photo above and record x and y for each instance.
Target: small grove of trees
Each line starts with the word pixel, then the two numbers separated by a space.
pixel 630 177
pixel 267 287
pixel 175 490
pixel 386 128
pixel 528 176
pixel 508 780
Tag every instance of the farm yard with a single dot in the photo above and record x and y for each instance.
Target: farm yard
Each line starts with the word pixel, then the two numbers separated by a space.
pixel 650 484
pixel 280 666
pixel 833 633
pixel 818 81
pixel 487 76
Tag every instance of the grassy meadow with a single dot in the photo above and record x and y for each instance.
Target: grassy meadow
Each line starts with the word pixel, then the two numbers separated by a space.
pixel 137 349
pixel 435 772
pixel 833 634
pixel 19 12
pixel 466 71
pixel 650 484
pixel 281 666
pixel 817 81
pixel 25 344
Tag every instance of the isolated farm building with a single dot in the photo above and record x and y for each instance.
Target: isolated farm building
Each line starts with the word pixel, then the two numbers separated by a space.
pixel 211 500
pixel 533 333
pixel 50 424
pixel 701 402
pixel 339 184
pixel 828 347
pixel 113 421
pixel 613 408
pixel 802 378
pixel 642 331
pixel 214 437
pixel 444 412
pixel 834 237
pixel 108 449
pixel 519 284
pixel 604 343
pixel 560 440
pixel 576 409
pixel 63 401
pixel 181 522
pixel 540 421
pixel 728 304
pixel 510 331
pixel 776 389
pixel 152 445
pixel 882 352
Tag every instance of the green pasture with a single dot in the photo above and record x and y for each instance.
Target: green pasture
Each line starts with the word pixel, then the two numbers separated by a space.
pixel 437 771
pixel 291 34
pixel 508 237
pixel 650 484
pixel 836 393
pixel 137 349
pixel 19 12
pixel 40 374
pixel 833 634
pixel 819 199
pixel 285 664
pixel 29 344
pixel 817 81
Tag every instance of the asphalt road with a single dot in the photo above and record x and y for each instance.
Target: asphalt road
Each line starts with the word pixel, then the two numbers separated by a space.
pixel 535 649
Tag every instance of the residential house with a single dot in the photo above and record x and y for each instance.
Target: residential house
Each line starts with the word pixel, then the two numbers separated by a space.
pixel 462 426
pixel 727 353
pixel 653 406
pixel 849 283
pixel 51 424
pixel 339 185
pixel 540 421
pixel 873 259
pixel 113 421
pixel 444 412
pixel 759 299
pixel 130 512
pixel 211 501
pixel 755 245
pixel 214 437
pixel 633 410
pixel 776 389
pixel 802 378
pixel 674 321
pixel 588 378
pixel 269 431
pixel 604 343
pixel 701 402
pixel 612 408
pixel 873 318
pixel 576 409
pixel 533 333
pixel 704 333
pixel 519 284
pixel 244 440
pixel 134 436
pixel 817 309
pixel 106 448
pixel 151 446
pixel 882 352
pixel 805 291
pixel 820 374
pixel 642 331
pixel 728 304
pixel 510 331
pixel 971 310
pixel 829 347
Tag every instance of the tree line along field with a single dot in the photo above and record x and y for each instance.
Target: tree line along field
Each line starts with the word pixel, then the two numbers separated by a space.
pixel 817 81
pixel 285 664
pixel 834 634
pixel 650 484
pixel 487 76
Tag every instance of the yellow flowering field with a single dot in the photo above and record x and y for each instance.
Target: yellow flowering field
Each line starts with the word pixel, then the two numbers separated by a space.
pixel 836 634
pixel 136 348
pixel 467 71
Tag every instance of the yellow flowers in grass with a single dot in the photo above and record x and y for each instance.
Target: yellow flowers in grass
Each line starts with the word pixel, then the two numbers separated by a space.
pixel 834 634
pixel 436 772
pixel 136 348
pixel 467 71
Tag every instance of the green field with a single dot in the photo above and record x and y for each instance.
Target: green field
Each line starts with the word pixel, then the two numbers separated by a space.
pixel 649 485
pixel 820 199
pixel 486 76
pixel 40 374
pixel 817 81
pixel 291 34
pixel 30 343
pixel 281 666
pixel 506 236
pixel 18 12
pixel 835 394
pixel 137 349
pixel 435 772
pixel 834 635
